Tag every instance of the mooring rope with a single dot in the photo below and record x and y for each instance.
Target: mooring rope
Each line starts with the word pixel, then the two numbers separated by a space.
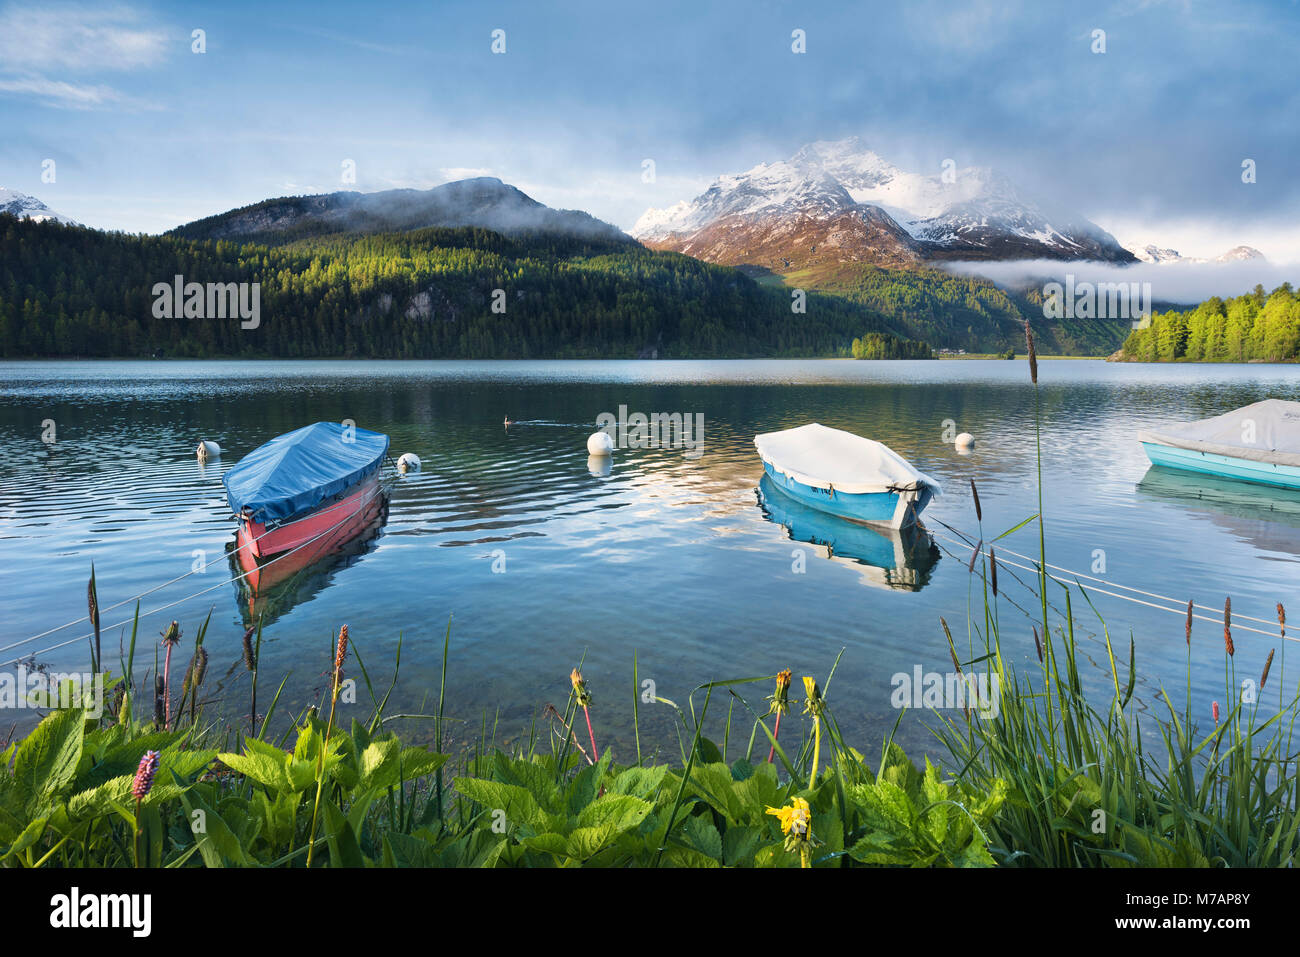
pixel 1180 605
pixel 379 487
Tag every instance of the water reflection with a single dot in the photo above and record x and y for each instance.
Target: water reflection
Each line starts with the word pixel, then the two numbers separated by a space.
pixel 891 558
pixel 1264 517
pixel 274 586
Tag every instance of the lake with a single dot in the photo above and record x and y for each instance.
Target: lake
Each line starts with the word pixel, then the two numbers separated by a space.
pixel 542 558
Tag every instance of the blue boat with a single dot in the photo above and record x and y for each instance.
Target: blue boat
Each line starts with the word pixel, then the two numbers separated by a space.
pixel 845 475
pixel 901 559
pixel 1257 443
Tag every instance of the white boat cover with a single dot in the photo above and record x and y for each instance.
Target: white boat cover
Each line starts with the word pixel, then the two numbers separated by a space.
pixel 1267 431
pixel 822 457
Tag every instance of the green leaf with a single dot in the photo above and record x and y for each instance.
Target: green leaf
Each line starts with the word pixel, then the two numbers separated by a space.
pixel 703 836
pixel 740 844
pixel 639 782
pixel 1017 527
pixel 556 844
pixel 520 807
pixel 405 850
pixel 341 840
pixel 621 812
pixel 29 836
pixel 586 784
pixel 267 771
pixel 217 842
pixel 710 753
pixel 46 760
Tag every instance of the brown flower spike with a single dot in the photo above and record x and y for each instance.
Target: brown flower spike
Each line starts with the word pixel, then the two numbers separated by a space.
pixel 1033 354
pixel 340 654
pixel 1227 627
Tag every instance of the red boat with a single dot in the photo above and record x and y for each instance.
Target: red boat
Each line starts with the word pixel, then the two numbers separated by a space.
pixel 314 533
pixel 272 586
pixel 305 492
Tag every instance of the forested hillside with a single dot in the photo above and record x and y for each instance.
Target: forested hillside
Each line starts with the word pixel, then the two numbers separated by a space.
pixel 1255 326
pixel 71 291
pixel 957 311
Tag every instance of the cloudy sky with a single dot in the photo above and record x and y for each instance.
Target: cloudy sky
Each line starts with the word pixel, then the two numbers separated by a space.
pixel 1146 139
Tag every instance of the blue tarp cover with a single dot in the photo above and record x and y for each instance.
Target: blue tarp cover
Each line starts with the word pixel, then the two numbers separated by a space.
pixel 295 472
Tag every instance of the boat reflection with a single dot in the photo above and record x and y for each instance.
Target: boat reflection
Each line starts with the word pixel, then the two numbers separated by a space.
pixel 1264 516
pixel 888 558
pixel 273 586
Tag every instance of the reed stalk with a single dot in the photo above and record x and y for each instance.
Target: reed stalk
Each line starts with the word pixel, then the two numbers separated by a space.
pixel 340 655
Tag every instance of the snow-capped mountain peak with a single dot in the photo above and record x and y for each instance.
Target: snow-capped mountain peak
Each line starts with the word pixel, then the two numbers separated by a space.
pixel 971 213
pixel 1150 253
pixel 29 207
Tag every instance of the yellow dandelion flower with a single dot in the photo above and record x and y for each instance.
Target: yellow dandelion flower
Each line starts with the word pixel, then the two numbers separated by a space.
pixel 796 825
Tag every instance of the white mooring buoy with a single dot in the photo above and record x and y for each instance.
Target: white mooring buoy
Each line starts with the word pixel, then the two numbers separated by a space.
pixel 965 441
pixel 600 444
pixel 207 450
pixel 409 462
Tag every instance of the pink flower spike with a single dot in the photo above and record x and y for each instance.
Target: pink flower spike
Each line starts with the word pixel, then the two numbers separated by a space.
pixel 144 775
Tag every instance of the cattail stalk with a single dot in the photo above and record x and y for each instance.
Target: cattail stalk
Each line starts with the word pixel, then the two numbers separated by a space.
pixel 170 638
pixel 1033 354
pixel 92 605
pixel 1267 664
pixel 952 652
pixel 979 515
pixel 159 700
pixel 199 664
pixel 1189 623
pixel 1227 627
pixel 250 662
pixel 340 654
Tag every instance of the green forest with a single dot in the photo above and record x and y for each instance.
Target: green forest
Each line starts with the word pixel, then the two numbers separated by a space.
pixel 426 293
pixel 874 345
pixel 1253 327
pixel 69 291
pixel 952 311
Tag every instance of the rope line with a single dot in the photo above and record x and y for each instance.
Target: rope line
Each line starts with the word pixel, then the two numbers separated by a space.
pixel 127 601
pixel 153 611
pixel 1181 610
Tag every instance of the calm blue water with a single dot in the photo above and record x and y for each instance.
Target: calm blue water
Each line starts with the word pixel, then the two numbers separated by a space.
pixel 540 559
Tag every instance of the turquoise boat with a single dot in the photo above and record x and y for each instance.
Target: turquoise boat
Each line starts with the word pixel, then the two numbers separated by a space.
pixel 1258 443
pixel 845 475
pixel 899 559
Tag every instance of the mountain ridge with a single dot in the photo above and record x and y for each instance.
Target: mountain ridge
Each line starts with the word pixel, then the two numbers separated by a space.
pixel 484 202
pixel 973 213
